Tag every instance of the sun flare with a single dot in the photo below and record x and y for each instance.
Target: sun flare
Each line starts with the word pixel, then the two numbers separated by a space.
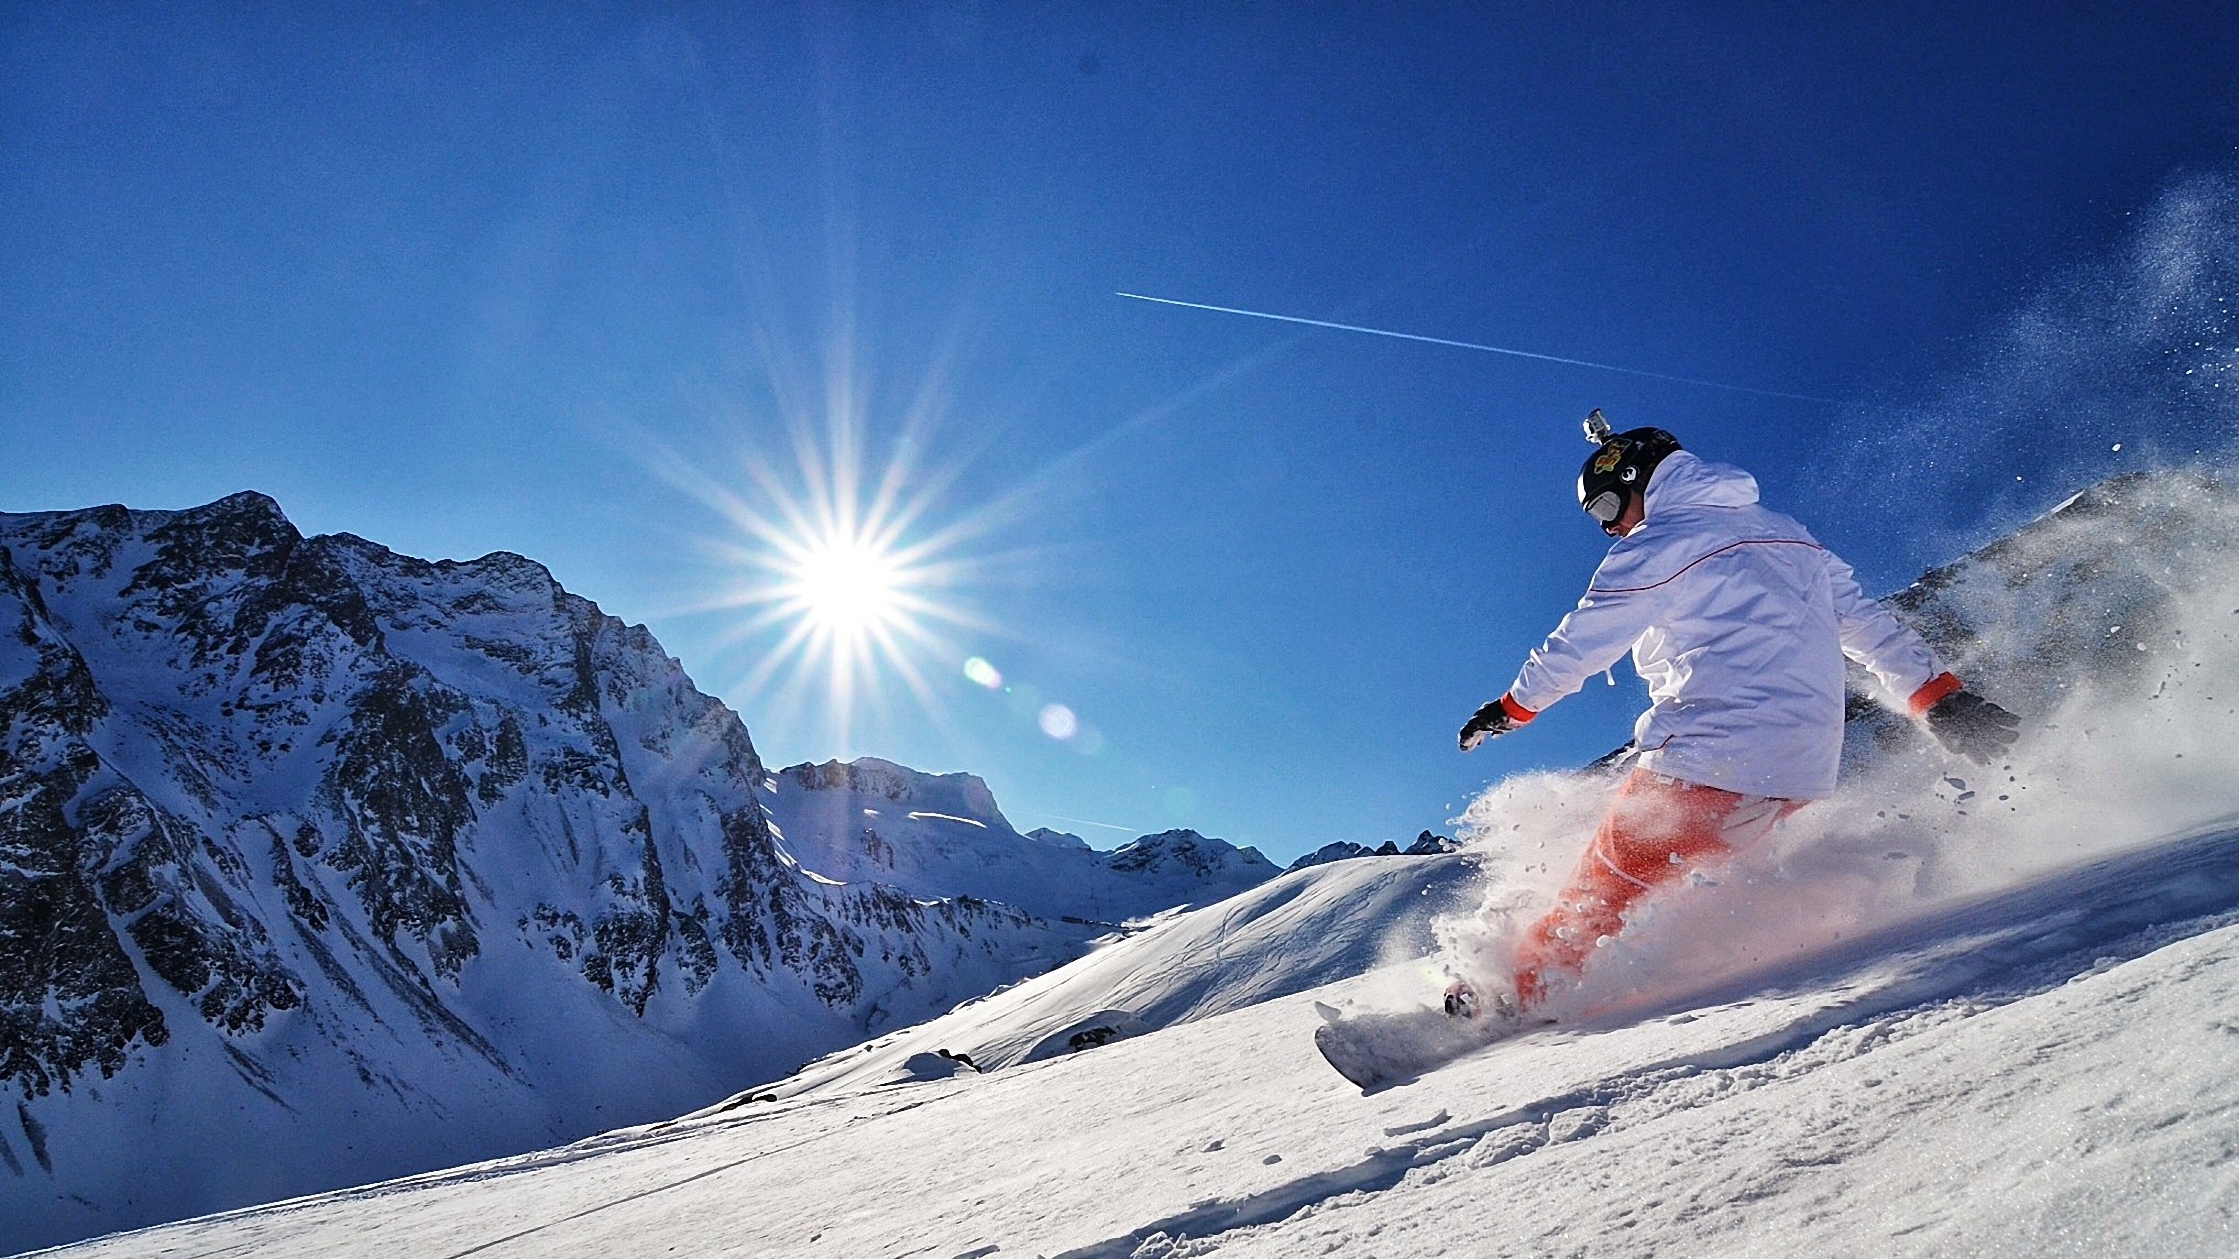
pixel 845 586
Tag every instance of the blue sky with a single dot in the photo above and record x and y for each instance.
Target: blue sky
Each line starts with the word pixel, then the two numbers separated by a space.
pixel 556 280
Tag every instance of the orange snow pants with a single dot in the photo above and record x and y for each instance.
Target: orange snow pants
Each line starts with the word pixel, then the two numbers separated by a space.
pixel 1657 830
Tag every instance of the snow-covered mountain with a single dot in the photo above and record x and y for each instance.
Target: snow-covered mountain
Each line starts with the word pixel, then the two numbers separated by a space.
pixel 1932 1019
pixel 941 835
pixel 1426 845
pixel 320 863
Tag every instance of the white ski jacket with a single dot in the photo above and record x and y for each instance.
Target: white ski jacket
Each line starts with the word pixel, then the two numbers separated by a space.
pixel 1738 620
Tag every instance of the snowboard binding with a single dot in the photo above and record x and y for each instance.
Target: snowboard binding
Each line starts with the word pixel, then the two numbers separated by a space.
pixel 1463 1002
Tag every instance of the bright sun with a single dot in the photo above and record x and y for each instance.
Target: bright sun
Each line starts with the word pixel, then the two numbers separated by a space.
pixel 845 572
pixel 845 586
pixel 838 561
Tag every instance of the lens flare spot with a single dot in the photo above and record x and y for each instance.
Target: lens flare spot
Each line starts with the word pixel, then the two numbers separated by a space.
pixel 1058 722
pixel 983 673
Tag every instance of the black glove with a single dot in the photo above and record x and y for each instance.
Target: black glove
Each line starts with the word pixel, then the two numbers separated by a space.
pixel 1490 722
pixel 1969 725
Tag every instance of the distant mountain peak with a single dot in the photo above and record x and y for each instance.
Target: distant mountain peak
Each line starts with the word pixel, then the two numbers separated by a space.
pixel 1187 850
pixel 943 835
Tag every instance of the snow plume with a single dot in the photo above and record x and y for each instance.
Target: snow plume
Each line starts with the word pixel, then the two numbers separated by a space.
pixel 1525 833
pixel 2126 362
pixel 2111 625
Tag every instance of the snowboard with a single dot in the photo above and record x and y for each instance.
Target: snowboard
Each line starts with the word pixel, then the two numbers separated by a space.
pixel 1381 1049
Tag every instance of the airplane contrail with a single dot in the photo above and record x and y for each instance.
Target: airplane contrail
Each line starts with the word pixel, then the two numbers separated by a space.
pixel 1472 345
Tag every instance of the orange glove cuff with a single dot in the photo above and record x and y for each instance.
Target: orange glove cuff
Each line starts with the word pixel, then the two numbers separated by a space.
pixel 1937 687
pixel 1516 712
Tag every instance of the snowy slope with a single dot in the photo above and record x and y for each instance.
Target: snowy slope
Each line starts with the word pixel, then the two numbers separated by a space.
pixel 2111 625
pixel 1308 928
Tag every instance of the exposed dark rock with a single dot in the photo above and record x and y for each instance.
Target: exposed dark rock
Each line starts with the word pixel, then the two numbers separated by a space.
pixel 402 803
pixel 70 998
pixel 1430 845
pixel 1426 845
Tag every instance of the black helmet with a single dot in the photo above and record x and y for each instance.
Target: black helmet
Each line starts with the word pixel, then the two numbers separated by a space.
pixel 1619 467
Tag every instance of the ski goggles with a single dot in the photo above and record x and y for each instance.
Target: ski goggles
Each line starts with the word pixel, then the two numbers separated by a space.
pixel 1605 507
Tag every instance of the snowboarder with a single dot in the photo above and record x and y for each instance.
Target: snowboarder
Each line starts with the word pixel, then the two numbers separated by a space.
pixel 1738 621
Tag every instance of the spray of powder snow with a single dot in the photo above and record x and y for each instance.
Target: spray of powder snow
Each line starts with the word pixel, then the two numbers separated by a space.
pixel 2123 363
pixel 2110 623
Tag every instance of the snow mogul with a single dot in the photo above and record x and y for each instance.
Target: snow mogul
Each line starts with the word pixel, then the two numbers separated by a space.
pixel 1738 620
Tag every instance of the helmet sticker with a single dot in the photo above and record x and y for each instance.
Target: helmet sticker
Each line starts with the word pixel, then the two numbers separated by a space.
pixel 1611 454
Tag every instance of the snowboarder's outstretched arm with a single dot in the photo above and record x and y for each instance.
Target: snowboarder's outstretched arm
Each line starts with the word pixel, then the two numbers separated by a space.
pixel 1891 650
pixel 1593 637
pixel 1965 723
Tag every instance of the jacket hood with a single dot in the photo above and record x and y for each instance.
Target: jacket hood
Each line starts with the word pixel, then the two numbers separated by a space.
pixel 1683 480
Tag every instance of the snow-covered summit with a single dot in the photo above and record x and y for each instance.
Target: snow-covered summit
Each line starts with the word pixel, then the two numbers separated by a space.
pixel 1182 848
pixel 942 835
pixel 963 796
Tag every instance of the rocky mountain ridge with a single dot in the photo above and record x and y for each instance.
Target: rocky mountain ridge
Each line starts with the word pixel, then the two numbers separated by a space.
pixel 1426 844
pixel 2091 600
pixel 941 835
